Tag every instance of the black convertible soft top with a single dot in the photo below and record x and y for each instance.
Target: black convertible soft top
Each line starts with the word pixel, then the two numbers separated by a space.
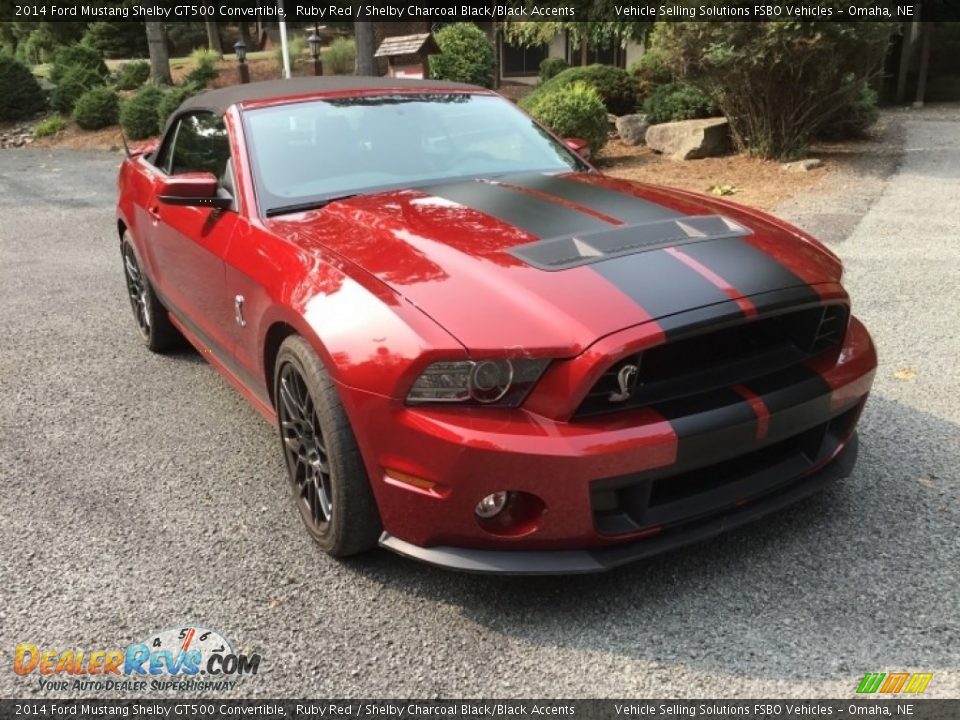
pixel 219 100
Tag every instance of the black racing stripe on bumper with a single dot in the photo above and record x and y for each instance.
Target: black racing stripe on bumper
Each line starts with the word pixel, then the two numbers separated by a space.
pixel 629 209
pixel 748 269
pixel 660 283
pixel 728 426
pixel 539 217
pixel 797 397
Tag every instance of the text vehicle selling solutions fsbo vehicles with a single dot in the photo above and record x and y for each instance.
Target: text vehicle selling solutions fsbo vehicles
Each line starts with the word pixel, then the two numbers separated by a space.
pixel 479 351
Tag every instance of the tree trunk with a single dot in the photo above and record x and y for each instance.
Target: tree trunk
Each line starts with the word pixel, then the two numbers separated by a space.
pixel 213 38
pixel 363 34
pixel 583 50
pixel 159 57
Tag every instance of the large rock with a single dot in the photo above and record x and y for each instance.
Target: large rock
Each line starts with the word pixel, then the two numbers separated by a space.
pixel 689 139
pixel 632 129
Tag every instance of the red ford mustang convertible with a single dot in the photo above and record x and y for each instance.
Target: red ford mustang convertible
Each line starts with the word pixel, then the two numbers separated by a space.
pixel 479 351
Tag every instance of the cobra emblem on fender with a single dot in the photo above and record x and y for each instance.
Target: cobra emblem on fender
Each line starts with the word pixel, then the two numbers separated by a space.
pixel 626 378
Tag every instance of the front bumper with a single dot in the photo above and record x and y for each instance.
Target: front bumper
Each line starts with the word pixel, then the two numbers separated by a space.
pixel 571 562
pixel 614 488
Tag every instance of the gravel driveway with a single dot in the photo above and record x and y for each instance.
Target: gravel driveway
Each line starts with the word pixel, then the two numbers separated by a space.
pixel 142 492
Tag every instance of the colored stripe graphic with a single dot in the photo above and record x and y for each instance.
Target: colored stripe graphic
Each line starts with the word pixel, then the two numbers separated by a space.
pixel 748 309
pixel 759 409
pixel 918 682
pixel 870 683
pixel 894 682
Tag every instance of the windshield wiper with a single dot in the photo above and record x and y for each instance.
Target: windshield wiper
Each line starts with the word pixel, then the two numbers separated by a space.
pixel 309 205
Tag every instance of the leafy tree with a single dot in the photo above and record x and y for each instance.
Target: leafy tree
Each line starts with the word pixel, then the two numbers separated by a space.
pixel 777 82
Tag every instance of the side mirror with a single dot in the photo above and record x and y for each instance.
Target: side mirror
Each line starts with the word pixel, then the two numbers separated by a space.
pixel 198 189
pixel 580 146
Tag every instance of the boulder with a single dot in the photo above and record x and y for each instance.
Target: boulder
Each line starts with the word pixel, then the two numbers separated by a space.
pixel 689 139
pixel 632 129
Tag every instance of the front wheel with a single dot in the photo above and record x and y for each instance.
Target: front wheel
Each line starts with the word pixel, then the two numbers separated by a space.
pixel 327 478
pixel 153 323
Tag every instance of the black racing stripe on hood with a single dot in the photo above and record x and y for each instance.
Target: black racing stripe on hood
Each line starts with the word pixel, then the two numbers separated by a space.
pixel 745 267
pixel 661 284
pixel 539 217
pixel 629 209
pixel 700 318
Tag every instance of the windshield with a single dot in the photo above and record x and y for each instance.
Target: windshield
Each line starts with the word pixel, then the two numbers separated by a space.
pixel 304 154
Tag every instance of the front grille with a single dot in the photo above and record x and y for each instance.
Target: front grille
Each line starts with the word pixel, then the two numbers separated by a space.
pixel 706 361
pixel 660 499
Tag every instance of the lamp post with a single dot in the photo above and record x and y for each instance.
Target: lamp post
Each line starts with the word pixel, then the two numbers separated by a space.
pixel 240 48
pixel 314 41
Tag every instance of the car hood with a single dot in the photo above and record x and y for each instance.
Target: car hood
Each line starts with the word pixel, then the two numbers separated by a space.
pixel 554 262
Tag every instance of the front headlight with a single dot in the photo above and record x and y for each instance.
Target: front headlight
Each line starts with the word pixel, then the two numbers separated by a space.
pixel 485 382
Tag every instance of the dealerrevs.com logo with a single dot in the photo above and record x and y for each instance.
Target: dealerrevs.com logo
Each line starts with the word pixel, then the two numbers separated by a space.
pixel 182 658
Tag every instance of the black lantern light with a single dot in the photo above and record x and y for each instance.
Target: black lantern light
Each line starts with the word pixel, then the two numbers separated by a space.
pixel 314 41
pixel 240 48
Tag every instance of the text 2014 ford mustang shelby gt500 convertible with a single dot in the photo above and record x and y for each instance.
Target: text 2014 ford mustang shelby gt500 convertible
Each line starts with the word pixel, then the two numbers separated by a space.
pixel 478 350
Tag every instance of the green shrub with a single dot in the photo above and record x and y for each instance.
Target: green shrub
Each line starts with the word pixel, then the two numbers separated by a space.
pixel 777 83
pixel 616 88
pixel 97 108
pixel 37 47
pixel 205 68
pixel 574 110
pixel 171 100
pixel 853 119
pixel 77 56
pixel 138 115
pixel 552 66
pixel 677 101
pixel 50 126
pixel 466 55
pixel 117 39
pixel 74 83
pixel 20 93
pixel 650 72
pixel 340 57
pixel 132 75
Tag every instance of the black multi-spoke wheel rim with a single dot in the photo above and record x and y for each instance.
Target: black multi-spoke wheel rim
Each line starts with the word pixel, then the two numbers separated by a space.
pixel 305 452
pixel 137 291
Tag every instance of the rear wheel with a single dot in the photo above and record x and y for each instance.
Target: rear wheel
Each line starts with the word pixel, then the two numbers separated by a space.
pixel 153 323
pixel 327 478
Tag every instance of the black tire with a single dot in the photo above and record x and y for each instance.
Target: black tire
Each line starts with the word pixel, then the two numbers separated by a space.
pixel 328 481
pixel 153 322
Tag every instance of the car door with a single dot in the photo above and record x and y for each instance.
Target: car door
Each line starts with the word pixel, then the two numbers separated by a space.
pixel 188 243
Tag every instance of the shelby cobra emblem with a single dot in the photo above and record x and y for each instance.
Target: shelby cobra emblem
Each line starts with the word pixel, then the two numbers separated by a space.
pixel 626 379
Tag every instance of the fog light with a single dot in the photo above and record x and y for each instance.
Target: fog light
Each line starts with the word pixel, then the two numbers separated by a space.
pixel 492 504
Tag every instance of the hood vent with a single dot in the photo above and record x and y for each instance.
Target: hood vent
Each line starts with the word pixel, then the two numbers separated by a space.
pixel 572 251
